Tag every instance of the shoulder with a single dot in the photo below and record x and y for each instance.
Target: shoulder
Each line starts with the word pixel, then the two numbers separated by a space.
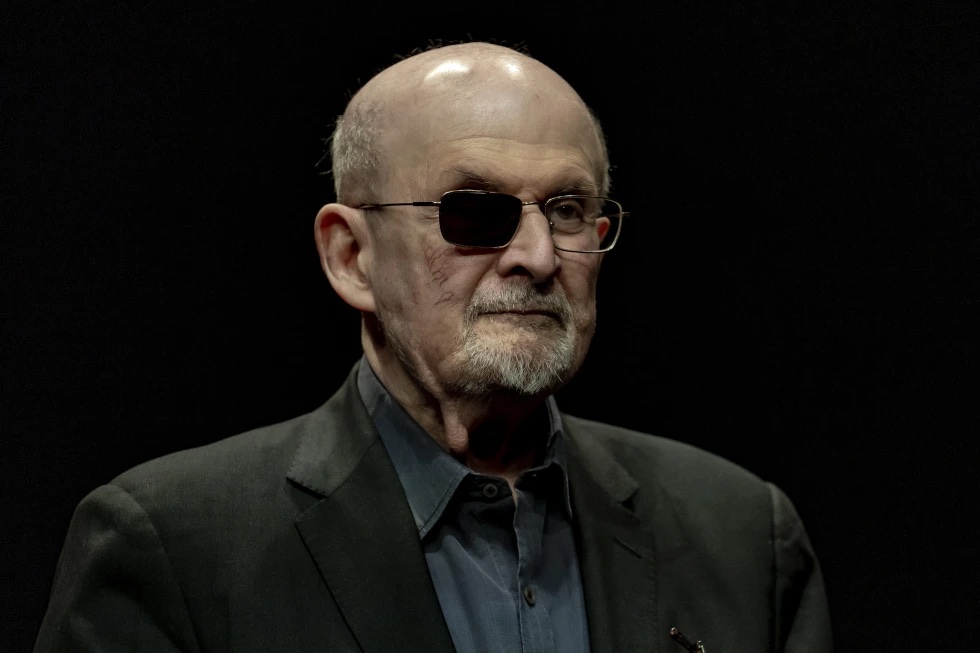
pixel 250 455
pixel 235 485
pixel 635 449
pixel 211 506
pixel 672 468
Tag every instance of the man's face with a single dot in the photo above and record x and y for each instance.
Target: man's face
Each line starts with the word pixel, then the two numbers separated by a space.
pixel 475 321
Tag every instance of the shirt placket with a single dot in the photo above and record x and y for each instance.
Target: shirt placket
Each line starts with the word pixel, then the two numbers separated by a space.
pixel 535 622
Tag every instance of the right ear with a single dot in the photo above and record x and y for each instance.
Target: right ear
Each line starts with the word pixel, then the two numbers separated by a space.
pixel 343 239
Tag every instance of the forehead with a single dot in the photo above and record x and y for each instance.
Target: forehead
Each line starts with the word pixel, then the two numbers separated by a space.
pixel 505 131
pixel 509 166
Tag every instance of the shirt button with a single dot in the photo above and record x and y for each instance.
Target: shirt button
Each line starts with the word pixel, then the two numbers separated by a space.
pixel 490 490
pixel 529 595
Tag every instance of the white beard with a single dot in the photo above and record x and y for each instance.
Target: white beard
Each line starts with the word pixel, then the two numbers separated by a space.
pixel 522 362
pixel 530 359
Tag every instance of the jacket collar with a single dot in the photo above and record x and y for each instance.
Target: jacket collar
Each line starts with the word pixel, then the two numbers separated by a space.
pixel 614 547
pixel 361 534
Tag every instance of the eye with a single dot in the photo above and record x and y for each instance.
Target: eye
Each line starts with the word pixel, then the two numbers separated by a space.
pixel 566 210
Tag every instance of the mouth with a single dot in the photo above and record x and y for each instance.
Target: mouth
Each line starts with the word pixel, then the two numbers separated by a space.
pixel 528 311
pixel 525 313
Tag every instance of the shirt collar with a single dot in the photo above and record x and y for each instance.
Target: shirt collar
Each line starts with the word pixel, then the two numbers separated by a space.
pixel 428 473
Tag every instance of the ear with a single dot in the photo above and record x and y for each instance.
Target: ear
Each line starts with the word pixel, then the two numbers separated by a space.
pixel 343 239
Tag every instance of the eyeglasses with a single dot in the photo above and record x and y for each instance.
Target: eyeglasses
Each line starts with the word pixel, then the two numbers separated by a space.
pixel 476 218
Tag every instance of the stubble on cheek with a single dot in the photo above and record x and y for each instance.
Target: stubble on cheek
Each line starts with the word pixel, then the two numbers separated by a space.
pixel 436 260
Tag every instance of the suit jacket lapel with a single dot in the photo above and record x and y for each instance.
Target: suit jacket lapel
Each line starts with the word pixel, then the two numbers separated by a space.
pixel 362 535
pixel 615 554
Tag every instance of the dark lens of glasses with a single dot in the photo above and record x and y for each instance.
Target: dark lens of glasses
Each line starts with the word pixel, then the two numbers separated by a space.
pixel 478 219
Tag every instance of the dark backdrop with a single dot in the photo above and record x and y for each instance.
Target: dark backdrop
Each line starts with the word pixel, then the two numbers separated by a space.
pixel 796 290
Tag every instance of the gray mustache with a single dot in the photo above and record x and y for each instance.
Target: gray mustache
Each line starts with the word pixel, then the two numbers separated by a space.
pixel 522 300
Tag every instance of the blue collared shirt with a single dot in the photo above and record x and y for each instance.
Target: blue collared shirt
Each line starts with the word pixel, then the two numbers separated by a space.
pixel 506 573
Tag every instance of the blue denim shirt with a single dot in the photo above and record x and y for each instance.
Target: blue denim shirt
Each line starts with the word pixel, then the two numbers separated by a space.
pixel 506 573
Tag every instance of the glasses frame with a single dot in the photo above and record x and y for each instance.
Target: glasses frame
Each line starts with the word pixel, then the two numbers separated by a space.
pixel 542 204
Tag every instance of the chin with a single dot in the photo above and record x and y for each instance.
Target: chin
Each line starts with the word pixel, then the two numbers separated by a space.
pixel 485 367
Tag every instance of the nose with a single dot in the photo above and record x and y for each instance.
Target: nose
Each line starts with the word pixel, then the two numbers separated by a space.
pixel 532 251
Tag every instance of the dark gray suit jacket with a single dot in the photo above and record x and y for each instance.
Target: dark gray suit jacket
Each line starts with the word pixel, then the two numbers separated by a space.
pixel 298 537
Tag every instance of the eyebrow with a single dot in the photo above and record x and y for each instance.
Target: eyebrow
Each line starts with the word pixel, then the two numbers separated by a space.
pixel 578 189
pixel 470 179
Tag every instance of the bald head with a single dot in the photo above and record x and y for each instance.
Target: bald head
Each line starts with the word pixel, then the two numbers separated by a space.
pixel 454 92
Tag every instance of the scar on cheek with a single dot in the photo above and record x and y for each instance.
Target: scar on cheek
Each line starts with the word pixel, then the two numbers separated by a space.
pixel 440 277
pixel 433 256
pixel 434 259
pixel 445 297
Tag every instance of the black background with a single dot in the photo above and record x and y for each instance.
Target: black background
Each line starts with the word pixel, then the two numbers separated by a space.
pixel 797 289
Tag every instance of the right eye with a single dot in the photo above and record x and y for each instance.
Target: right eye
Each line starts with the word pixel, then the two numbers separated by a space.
pixel 566 210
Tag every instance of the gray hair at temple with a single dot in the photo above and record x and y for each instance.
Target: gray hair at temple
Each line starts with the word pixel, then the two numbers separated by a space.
pixel 355 153
pixel 358 160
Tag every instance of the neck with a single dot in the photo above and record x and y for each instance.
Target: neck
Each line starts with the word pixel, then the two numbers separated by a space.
pixel 494 445
pixel 499 435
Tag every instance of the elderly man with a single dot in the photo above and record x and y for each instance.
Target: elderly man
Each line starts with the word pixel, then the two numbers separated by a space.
pixel 439 500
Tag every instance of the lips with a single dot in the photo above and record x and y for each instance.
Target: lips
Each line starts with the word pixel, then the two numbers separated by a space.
pixel 526 312
pixel 523 312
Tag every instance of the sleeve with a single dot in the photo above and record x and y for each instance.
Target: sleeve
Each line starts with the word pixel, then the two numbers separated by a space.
pixel 114 587
pixel 802 617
